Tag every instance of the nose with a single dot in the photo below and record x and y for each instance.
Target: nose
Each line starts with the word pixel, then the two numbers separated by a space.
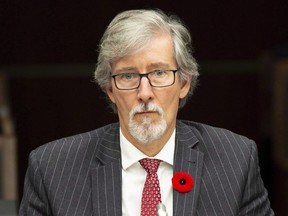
pixel 145 91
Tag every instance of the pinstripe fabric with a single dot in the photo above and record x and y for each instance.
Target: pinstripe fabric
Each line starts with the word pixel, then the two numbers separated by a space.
pixel 81 175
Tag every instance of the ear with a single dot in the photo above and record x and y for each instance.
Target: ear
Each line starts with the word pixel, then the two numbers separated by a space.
pixel 185 87
pixel 110 94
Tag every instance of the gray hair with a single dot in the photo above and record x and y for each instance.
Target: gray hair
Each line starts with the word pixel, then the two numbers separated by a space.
pixel 131 30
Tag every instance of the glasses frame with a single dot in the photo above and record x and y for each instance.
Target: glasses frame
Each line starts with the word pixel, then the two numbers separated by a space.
pixel 144 75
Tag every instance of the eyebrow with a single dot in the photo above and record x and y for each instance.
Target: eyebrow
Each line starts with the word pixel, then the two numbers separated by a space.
pixel 126 69
pixel 158 64
pixel 150 67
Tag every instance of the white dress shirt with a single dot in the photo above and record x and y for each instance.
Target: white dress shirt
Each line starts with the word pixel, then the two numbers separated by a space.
pixel 134 176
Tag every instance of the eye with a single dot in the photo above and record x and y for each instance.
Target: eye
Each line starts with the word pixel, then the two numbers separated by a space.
pixel 159 73
pixel 127 76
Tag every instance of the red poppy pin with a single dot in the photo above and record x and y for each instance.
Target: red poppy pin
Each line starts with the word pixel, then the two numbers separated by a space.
pixel 182 182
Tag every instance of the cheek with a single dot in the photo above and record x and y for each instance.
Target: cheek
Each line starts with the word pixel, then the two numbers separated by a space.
pixel 124 104
pixel 169 102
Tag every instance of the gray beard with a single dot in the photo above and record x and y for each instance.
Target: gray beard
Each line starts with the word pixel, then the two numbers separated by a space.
pixel 146 131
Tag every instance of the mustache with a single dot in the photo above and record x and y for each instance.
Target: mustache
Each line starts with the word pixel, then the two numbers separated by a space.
pixel 146 107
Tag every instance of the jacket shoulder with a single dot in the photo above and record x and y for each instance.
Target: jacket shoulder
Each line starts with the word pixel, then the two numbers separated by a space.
pixel 216 136
pixel 82 143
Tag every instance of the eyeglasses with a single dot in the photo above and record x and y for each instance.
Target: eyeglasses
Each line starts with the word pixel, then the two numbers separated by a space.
pixel 157 78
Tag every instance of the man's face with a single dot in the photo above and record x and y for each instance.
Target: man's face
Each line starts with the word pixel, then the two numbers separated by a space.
pixel 148 113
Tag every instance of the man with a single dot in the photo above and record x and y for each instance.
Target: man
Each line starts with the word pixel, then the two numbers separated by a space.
pixel 146 68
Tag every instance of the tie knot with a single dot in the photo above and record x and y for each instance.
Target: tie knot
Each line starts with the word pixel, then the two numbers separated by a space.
pixel 150 165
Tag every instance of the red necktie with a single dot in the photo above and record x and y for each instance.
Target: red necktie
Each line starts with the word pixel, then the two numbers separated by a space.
pixel 151 195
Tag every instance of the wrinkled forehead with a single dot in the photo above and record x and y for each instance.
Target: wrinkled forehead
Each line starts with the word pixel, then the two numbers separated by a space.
pixel 126 48
pixel 157 53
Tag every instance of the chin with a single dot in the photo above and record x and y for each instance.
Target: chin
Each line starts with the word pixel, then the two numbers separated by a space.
pixel 147 131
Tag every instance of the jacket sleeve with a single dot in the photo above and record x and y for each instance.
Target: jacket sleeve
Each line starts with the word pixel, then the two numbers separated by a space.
pixel 255 200
pixel 34 201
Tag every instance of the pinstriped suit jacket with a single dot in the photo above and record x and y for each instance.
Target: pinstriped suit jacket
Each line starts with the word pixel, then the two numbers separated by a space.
pixel 81 175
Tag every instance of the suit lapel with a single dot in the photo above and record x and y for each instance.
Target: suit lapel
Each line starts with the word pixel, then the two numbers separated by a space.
pixel 190 161
pixel 107 176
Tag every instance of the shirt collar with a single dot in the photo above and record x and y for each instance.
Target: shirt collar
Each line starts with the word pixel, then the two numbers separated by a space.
pixel 130 154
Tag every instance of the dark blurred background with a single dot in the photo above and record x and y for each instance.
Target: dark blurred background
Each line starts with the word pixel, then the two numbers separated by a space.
pixel 49 49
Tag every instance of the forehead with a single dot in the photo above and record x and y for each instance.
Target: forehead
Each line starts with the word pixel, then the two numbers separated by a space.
pixel 158 53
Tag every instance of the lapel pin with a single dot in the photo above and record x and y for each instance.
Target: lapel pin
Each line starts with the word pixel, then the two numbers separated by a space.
pixel 182 182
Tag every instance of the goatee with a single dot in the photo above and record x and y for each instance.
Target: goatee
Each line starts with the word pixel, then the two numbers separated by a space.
pixel 147 128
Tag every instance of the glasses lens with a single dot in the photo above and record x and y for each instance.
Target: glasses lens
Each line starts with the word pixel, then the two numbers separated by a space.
pixel 161 78
pixel 127 80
